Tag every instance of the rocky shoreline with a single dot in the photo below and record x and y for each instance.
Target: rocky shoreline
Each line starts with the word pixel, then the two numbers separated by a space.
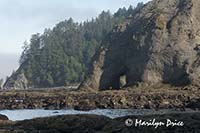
pixel 136 97
pixel 140 97
pixel 101 124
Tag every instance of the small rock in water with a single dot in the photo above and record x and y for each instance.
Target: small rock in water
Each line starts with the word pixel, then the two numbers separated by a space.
pixel 55 112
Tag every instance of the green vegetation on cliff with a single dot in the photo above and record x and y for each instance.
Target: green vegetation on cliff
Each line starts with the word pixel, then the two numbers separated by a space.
pixel 61 55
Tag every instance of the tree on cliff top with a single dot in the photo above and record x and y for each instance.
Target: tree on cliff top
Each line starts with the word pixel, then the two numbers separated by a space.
pixel 61 55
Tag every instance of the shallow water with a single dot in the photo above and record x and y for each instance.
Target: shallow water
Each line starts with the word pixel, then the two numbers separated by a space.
pixel 16 115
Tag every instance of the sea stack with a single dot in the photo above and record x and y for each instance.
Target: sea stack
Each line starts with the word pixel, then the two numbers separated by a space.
pixel 158 44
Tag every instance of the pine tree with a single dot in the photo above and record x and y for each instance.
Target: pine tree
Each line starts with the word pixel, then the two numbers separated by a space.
pixel 61 55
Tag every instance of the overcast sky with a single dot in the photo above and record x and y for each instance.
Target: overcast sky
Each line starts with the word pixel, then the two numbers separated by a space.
pixel 19 19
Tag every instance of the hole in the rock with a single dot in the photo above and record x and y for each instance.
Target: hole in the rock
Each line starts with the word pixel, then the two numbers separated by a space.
pixel 118 82
pixel 122 81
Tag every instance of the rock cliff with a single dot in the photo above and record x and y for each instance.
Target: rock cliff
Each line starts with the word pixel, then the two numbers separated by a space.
pixel 17 82
pixel 158 44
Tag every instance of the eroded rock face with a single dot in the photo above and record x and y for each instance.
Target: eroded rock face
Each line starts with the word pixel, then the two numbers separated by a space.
pixel 159 44
pixel 17 82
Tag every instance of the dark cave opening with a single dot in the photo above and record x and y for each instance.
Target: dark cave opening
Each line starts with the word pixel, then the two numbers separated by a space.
pixel 118 82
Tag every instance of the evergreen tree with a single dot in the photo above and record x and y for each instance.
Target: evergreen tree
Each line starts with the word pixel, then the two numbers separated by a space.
pixel 61 55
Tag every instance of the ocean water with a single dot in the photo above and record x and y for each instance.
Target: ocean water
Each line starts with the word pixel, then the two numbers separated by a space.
pixel 16 115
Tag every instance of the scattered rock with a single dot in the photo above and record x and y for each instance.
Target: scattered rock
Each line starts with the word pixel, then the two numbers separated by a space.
pixel 163 97
pixel 85 105
pixel 194 104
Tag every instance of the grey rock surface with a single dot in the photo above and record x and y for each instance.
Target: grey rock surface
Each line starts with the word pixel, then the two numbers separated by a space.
pixel 158 44
pixel 17 82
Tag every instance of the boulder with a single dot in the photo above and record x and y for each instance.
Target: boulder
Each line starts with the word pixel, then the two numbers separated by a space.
pixel 3 117
pixel 65 124
pixel 185 122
